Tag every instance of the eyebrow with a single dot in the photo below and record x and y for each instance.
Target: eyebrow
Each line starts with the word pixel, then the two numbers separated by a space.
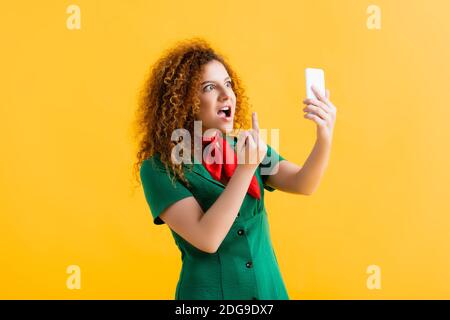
pixel 213 81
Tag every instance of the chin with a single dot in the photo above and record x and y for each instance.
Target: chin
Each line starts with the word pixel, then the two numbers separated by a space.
pixel 227 128
pixel 224 128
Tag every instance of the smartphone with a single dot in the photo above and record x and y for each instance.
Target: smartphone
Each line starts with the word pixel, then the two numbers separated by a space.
pixel 314 77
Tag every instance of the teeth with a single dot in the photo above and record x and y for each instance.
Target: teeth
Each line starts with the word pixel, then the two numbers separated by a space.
pixel 225 108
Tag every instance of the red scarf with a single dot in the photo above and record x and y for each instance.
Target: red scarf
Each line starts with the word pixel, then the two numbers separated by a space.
pixel 216 170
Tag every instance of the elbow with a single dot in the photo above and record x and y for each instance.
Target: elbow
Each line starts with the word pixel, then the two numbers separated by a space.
pixel 209 250
pixel 306 192
pixel 213 247
pixel 204 247
pixel 213 251
pixel 205 242
pixel 302 190
pixel 208 247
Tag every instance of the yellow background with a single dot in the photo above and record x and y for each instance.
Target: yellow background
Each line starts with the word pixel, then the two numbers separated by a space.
pixel 68 98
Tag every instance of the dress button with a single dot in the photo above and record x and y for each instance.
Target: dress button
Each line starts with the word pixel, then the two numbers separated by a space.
pixel 248 264
pixel 240 232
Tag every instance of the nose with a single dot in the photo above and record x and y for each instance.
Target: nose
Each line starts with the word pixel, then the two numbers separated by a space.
pixel 225 95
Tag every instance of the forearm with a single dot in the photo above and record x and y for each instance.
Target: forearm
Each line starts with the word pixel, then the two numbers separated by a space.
pixel 218 219
pixel 309 176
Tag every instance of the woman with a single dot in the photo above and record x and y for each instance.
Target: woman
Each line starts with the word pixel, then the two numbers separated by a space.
pixel 215 209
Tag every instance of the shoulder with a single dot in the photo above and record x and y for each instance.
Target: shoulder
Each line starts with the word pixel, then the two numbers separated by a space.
pixel 151 163
pixel 153 167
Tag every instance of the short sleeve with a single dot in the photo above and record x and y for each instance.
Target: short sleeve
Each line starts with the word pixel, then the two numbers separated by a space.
pixel 159 190
pixel 267 165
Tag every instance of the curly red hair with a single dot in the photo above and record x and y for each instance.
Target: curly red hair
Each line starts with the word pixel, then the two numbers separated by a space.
pixel 169 100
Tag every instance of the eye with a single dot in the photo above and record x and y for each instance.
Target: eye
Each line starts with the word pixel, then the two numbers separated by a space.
pixel 229 81
pixel 204 89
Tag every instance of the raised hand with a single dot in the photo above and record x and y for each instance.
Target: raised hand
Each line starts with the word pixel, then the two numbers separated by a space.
pixel 249 142
pixel 323 113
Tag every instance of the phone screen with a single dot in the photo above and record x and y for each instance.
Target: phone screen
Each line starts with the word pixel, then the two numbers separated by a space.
pixel 314 77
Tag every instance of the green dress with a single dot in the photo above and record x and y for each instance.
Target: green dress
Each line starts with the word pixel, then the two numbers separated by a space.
pixel 245 266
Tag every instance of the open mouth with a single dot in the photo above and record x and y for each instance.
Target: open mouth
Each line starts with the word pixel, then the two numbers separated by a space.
pixel 224 112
